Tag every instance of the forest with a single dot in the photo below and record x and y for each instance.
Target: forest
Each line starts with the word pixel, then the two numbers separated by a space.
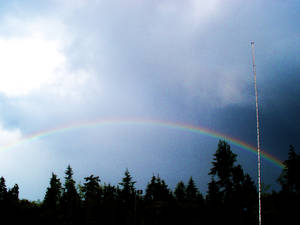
pixel 232 198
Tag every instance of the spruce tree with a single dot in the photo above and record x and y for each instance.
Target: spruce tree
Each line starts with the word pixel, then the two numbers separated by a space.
pixel 157 190
pixel 191 190
pixel 233 188
pixel 51 203
pixel 3 197
pixel 92 199
pixel 150 189
pixel 223 165
pixel 290 176
pixel 180 191
pixel 3 190
pixel 127 184
pixel 53 193
pixel 70 200
pixel 13 194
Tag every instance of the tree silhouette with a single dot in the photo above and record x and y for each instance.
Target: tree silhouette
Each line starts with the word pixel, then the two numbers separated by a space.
pixel 214 196
pixel 157 190
pixel 110 208
pixel 12 204
pixel 92 199
pixel 127 197
pixel 223 164
pixel 180 191
pixel 191 190
pixel 53 193
pixel 70 201
pixel 3 189
pixel 3 197
pixel 289 196
pixel 233 191
pixel 13 194
pixel 159 201
pixel 231 198
pixel 290 176
pixel 127 184
pixel 52 200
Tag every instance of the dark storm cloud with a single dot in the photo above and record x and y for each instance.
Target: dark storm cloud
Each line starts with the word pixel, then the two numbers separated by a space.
pixel 188 62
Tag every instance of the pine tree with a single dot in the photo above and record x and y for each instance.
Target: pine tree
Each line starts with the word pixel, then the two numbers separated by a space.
pixel 3 197
pixel 70 200
pixel 157 190
pixel 150 189
pixel 69 190
pixel 233 188
pixel 52 199
pixel 180 191
pixel 290 176
pixel 290 184
pixel 191 190
pixel 214 195
pixel 13 194
pixel 109 192
pixel 3 190
pixel 223 164
pixel 53 193
pixel 91 188
pixel 92 192
pixel 127 185
pixel 12 204
pixel 127 197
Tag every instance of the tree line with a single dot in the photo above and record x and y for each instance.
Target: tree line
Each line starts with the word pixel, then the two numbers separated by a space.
pixel 231 199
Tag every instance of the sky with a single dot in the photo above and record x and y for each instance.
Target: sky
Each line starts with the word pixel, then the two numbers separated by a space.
pixel 66 62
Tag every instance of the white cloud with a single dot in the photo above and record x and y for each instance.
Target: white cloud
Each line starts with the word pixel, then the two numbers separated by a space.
pixel 9 137
pixel 192 12
pixel 28 64
pixel 34 60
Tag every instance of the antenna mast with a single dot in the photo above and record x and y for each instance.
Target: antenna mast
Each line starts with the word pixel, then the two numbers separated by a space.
pixel 258 143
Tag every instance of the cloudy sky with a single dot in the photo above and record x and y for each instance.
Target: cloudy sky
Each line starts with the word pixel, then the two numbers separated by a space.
pixel 188 62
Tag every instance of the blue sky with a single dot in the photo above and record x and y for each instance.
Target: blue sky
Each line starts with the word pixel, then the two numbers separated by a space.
pixel 65 61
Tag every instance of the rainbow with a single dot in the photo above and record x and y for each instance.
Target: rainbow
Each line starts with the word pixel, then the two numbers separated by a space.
pixel 145 122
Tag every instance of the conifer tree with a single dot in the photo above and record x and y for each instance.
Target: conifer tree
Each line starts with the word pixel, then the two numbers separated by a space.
pixel 13 194
pixel 157 190
pixel 69 190
pixel 223 165
pixel 91 188
pixel 150 189
pixel 3 197
pixel 290 188
pixel 70 200
pixel 233 189
pixel 52 199
pixel 127 197
pixel 3 190
pixel 214 195
pixel 92 199
pixel 180 191
pixel 290 176
pixel 191 190
pixel 53 193
pixel 127 184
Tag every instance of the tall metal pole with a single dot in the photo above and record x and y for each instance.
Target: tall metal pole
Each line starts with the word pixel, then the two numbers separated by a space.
pixel 258 143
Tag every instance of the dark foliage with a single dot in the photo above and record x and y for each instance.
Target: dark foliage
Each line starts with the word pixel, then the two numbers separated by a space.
pixel 52 200
pixel 231 199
